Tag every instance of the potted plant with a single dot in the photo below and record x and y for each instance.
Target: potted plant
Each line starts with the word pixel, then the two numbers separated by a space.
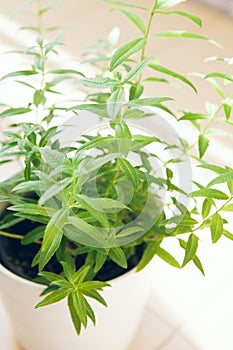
pixel 98 194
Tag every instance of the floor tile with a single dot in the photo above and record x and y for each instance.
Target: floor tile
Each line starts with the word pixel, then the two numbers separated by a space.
pixel 151 334
pixel 211 326
pixel 178 342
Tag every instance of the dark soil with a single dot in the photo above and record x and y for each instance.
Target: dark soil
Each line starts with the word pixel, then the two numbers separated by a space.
pixel 18 258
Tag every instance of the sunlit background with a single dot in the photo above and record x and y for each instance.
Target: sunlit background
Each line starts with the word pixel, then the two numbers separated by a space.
pixel 185 310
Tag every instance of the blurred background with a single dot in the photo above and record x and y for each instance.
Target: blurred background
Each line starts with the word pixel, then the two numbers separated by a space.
pixel 185 311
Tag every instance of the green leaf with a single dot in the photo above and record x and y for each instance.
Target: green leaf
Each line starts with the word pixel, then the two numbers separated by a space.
pixel 124 4
pixel 99 82
pixel 203 143
pixel 227 176
pixel 53 236
pixel 154 102
pixel 193 18
pixel 128 232
pixel 148 254
pixel 198 264
pixel 227 109
pixel 51 276
pixel 191 249
pixel 115 103
pixel 74 315
pixel 39 98
pixel 228 234
pixel 14 111
pixel 215 168
pixel 53 158
pixel 94 295
pixel 101 257
pixel 173 74
pixel 124 138
pixel 210 193
pixel 18 73
pixel 69 268
pixel 136 91
pixel 156 80
pixel 127 50
pixel 96 108
pixel 54 297
pixel 193 116
pixel 206 207
pixel 136 19
pixel 33 236
pixel 66 71
pixel 118 256
pixel 184 34
pixel 90 312
pixel 196 260
pixel 167 257
pixel 94 285
pixel 216 227
pixel 54 190
pixel 135 71
pixel 79 306
pixel 96 143
pixel 228 207
pixel 219 75
pixel 95 213
pixel 103 204
pixel 80 275
pixel 129 171
pixel 80 231
pixel 33 209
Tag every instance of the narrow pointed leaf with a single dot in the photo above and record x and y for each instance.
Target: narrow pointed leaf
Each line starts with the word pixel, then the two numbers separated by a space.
pixel 126 51
pixel 216 227
pixel 99 82
pixel 203 143
pixel 135 71
pixel 206 207
pixel 115 103
pixel 149 101
pixel 191 249
pixel 173 74
pixel 19 73
pixel 184 35
pixel 118 256
pixel 167 257
pixel 74 315
pixel 190 16
pixel 210 193
pixel 54 297
pixel 66 71
pixel 129 171
pixel 228 176
pixel 136 19
pixel 53 236
pixel 149 253
pixel 14 111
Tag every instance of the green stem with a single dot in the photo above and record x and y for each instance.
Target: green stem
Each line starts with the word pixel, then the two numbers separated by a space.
pixel 217 211
pixel 11 235
pixel 39 18
pixel 147 36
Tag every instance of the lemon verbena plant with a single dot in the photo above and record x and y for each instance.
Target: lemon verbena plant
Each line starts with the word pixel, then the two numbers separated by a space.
pixel 86 211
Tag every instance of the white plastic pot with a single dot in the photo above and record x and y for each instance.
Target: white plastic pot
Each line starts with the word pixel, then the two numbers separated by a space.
pixel 51 328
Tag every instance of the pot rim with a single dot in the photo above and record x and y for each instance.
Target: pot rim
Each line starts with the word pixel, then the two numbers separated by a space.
pixel 11 275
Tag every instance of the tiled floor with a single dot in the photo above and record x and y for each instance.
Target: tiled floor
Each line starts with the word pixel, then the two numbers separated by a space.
pixel 185 310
